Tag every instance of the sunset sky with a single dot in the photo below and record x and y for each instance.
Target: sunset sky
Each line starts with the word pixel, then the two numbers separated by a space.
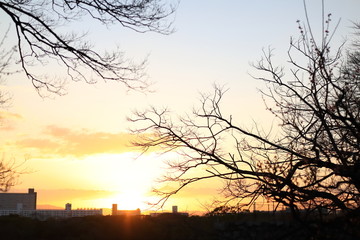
pixel 76 147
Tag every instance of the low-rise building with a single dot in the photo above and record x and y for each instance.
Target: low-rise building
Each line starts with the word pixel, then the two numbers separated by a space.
pixel 24 204
pixel 18 201
pixel 174 212
pixel 115 211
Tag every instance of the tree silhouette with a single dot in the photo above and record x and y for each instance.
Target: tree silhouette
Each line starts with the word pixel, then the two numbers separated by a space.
pixel 41 41
pixel 309 162
pixel 9 173
pixel 9 170
pixel 6 60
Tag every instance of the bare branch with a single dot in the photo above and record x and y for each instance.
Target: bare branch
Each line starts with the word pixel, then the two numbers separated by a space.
pixel 41 43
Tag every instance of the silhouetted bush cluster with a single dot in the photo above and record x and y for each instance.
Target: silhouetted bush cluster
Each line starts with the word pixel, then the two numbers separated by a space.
pixel 174 227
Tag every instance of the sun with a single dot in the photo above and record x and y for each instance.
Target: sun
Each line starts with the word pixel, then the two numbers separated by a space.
pixel 130 179
pixel 130 200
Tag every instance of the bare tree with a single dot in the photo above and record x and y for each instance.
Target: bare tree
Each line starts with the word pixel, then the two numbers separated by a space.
pixel 309 162
pixel 9 173
pixel 41 41
pixel 9 170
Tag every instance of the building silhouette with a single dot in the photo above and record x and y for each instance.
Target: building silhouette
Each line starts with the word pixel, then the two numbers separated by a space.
pixel 174 212
pixel 18 201
pixel 116 212
pixel 24 204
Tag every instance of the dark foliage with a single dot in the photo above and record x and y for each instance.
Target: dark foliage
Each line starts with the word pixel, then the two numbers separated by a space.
pixel 237 226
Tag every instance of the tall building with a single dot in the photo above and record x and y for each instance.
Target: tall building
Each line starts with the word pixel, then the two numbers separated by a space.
pixel 18 201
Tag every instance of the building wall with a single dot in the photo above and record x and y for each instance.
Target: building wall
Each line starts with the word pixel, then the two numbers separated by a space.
pixel 115 211
pixel 56 214
pixel 18 201
pixel 136 212
pixel 24 204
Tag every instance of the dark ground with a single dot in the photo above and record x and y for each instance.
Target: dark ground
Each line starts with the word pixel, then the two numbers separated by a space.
pixel 177 227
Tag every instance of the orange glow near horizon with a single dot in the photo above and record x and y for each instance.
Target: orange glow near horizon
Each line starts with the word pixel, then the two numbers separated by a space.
pixel 125 201
pixel 94 181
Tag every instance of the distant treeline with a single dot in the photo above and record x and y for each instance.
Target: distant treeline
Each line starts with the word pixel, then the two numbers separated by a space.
pixel 172 227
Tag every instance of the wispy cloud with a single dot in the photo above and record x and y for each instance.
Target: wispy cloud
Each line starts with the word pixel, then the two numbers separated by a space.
pixel 59 141
pixel 8 120
pixel 9 115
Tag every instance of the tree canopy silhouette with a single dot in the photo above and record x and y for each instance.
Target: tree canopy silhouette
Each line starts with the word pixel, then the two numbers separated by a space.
pixel 41 40
pixel 310 161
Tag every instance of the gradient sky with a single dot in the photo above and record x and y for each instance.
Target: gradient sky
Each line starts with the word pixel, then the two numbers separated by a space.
pixel 76 146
